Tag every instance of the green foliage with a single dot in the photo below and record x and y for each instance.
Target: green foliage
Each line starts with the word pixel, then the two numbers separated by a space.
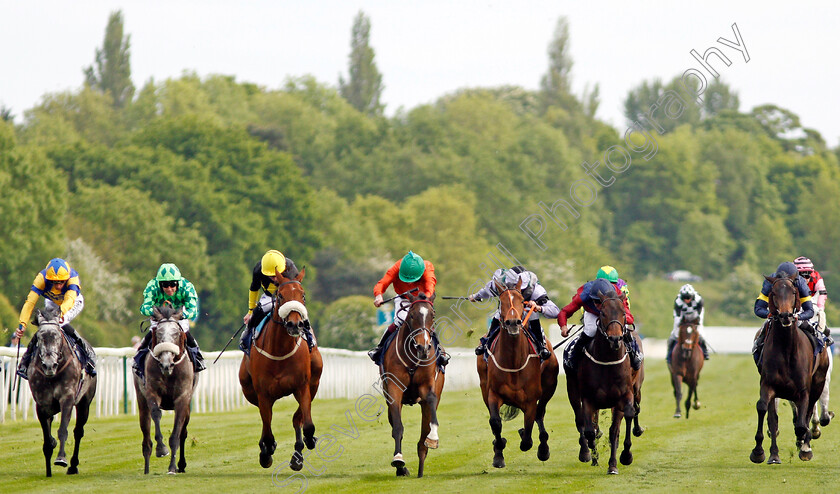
pixel 349 322
pixel 743 286
pixel 364 85
pixel 112 73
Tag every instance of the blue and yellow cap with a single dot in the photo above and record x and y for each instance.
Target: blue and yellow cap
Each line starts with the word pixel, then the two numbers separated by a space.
pixel 57 270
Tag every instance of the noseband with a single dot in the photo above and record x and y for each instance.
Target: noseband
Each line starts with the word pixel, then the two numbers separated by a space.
pixel 781 317
pixel 413 332
pixel 167 346
pixel 283 321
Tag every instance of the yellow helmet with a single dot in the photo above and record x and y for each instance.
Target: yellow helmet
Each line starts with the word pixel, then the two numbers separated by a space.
pixel 57 270
pixel 273 259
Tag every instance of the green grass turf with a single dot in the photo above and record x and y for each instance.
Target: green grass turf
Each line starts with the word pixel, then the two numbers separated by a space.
pixel 707 453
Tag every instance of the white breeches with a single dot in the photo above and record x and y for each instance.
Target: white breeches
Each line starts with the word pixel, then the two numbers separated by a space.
pixel 73 312
pixel 590 324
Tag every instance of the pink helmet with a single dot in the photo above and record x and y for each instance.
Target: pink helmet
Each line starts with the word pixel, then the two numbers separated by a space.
pixel 803 264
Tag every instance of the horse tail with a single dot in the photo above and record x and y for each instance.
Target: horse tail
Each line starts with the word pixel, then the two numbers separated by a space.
pixel 509 412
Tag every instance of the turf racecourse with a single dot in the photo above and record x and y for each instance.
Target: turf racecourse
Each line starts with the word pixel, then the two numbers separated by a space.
pixel 709 452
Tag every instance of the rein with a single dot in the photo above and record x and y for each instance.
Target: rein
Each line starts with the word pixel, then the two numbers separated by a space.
pixel 522 324
pixel 429 331
pixel 66 361
pixel 282 322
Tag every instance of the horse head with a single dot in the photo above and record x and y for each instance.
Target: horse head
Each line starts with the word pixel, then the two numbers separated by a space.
pixel 168 339
pixel 290 303
pixel 419 322
pixel 511 307
pixel 688 336
pixel 611 321
pixel 783 300
pixel 49 342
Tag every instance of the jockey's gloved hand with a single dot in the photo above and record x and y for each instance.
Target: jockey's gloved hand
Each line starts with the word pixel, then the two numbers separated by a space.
pixel 19 331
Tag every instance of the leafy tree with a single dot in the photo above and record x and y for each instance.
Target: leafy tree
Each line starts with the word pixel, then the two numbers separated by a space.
pixel 112 72
pixel 556 84
pixel 350 323
pixel 364 87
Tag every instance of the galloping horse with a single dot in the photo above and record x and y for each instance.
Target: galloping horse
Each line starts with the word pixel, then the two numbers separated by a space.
pixel 281 364
pixel 410 375
pixel 514 376
pixel 686 362
pixel 789 371
pixel 168 385
pixel 58 383
pixel 605 380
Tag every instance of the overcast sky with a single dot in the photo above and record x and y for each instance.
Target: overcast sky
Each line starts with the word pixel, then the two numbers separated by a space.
pixel 429 48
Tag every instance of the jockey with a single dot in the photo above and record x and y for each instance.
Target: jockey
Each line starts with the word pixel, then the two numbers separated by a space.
pixel 816 287
pixel 535 296
pixel 58 283
pixel 762 305
pixel 586 297
pixel 264 277
pixel 406 274
pixel 688 303
pixel 169 288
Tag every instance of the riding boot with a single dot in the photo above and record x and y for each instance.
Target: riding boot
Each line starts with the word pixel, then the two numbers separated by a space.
pixel 539 340
pixel 195 353
pixel 309 335
pixel 577 351
pixel 672 342
pixel 139 364
pixel 374 354
pixel 758 345
pixel 636 356
pixel 704 348
pixel 87 350
pixel 27 357
pixel 495 324
pixel 245 340
pixel 442 356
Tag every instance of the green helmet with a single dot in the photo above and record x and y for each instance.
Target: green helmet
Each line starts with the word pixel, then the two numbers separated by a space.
pixel 412 267
pixel 168 272
pixel 608 273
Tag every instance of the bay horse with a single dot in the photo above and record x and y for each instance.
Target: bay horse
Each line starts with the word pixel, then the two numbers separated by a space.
pixel 281 364
pixel 58 384
pixel 409 375
pixel 515 377
pixel 605 379
pixel 788 371
pixel 686 362
pixel 168 385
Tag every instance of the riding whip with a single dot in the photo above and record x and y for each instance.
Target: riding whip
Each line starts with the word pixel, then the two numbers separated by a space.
pixel 455 298
pixel 17 378
pixel 228 343
pixel 569 337
pixel 401 295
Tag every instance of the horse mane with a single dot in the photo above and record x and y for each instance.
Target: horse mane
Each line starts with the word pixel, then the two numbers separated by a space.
pixel 167 312
pixel 291 270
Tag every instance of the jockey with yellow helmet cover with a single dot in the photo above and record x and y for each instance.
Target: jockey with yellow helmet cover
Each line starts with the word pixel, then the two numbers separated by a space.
pixel 58 283
pixel 264 278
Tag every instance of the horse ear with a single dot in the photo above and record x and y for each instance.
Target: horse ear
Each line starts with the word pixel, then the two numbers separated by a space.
pixel 432 299
pixel 40 316
pixel 179 314
pixel 278 274
pixel 499 287
pixel 300 275
pixel 771 279
pixel 622 295
pixel 519 284
pixel 156 313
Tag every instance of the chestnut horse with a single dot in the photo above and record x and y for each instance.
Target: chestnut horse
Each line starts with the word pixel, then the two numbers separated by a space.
pixel 58 384
pixel 686 362
pixel 789 371
pixel 604 379
pixel 281 364
pixel 169 384
pixel 410 375
pixel 514 376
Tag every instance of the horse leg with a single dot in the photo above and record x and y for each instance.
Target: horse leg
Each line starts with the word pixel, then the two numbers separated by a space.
pixel 499 443
pixel 615 432
pixel 82 414
pixel 296 463
pixel 49 442
pixel 304 399
pixel 626 457
pixel 574 399
pixel 395 418
pixel 425 430
pixel 676 381
pixel 773 431
pixel 181 406
pixel 267 443
pixel 182 461
pixel 757 454
pixel 145 428
pixel 549 386
pixel 156 413
pixel 688 399
pixel 588 436
pixel 247 383
pixel 66 413
pixel 525 433
pixel 803 432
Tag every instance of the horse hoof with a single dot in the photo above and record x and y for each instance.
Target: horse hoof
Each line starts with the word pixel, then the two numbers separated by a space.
pixel 626 458
pixel 598 433
pixel 161 451
pixel 677 415
pixel 172 472
pixel 612 471
pixel 502 444
pixel 826 419
pixel 638 431
pixel 816 433
pixel 584 456
pixel 72 471
pixel 60 461
pixel 266 460
pixel 431 443
pixel 697 405
pixel 398 461
pixel 499 462
pixel 296 463
pixel 310 442
pixel 757 456
pixel 806 455
pixel 402 472
pixel 774 460
pixel 543 452
pixel 182 470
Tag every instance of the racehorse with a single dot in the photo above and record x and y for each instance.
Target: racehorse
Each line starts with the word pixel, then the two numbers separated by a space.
pixel 58 383
pixel 281 364
pixel 789 371
pixel 514 376
pixel 605 379
pixel 168 385
pixel 686 362
pixel 410 375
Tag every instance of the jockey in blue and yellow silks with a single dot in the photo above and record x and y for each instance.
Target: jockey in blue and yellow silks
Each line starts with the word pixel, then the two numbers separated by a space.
pixel 58 283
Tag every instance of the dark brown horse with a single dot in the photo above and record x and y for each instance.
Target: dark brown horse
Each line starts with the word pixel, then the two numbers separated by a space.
pixel 604 379
pixel 169 384
pixel 58 384
pixel 514 376
pixel 281 364
pixel 788 371
pixel 410 375
pixel 686 362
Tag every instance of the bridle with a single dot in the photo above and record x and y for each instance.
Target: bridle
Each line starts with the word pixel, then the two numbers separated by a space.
pixel 517 315
pixel 781 317
pixel 158 349
pixel 413 333
pixel 277 302
pixel 42 352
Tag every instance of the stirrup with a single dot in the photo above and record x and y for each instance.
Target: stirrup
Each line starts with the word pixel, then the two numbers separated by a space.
pixel 480 349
